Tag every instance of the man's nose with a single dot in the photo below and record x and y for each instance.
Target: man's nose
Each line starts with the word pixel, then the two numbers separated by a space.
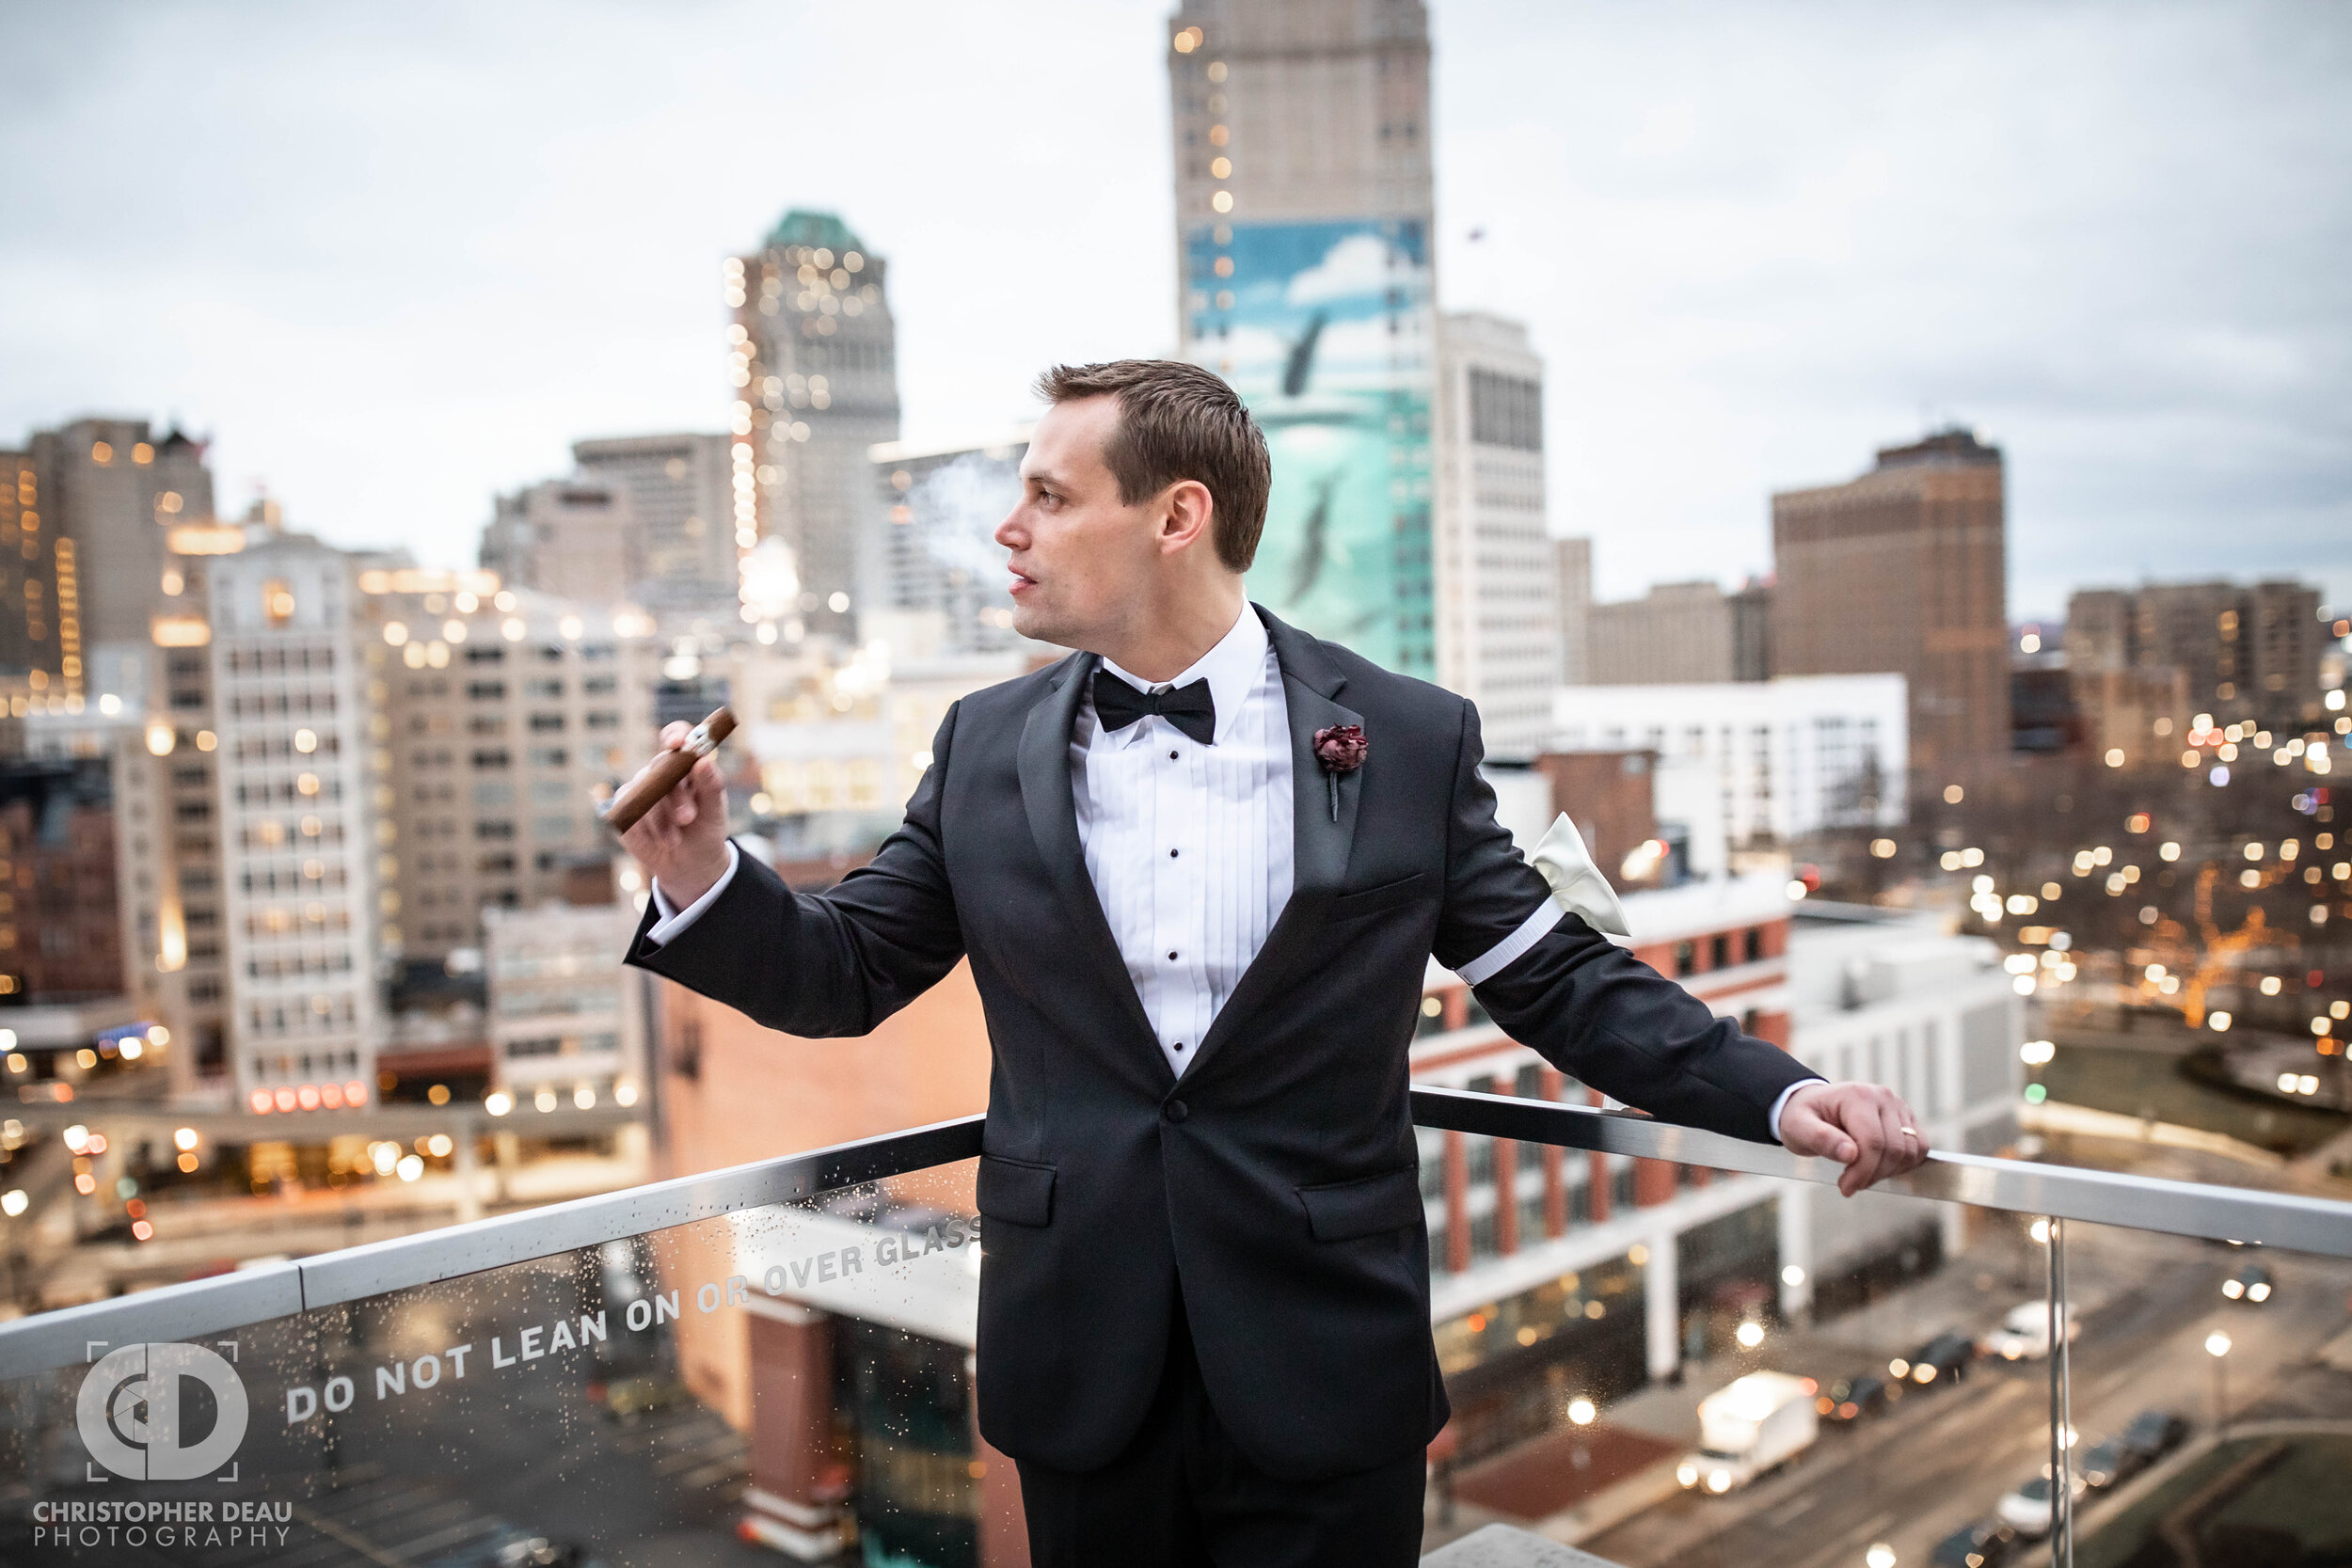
pixel 1009 532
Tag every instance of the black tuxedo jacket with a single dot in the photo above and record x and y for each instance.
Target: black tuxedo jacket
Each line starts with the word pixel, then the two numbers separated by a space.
pixel 1275 1182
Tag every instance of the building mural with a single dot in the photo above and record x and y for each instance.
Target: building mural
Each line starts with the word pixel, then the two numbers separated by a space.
pixel 1325 329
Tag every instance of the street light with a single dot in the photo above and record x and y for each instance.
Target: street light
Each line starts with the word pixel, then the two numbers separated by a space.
pixel 2218 1346
pixel 1881 1555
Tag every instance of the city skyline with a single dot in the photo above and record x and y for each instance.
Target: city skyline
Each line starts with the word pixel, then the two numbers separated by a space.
pixel 2115 262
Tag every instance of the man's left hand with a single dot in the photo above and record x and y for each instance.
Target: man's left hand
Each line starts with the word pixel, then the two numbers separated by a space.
pixel 1864 1127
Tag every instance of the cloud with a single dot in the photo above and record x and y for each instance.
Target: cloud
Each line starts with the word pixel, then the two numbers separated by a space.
pixel 1757 245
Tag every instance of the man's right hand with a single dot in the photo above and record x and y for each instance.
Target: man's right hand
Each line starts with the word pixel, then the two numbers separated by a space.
pixel 683 840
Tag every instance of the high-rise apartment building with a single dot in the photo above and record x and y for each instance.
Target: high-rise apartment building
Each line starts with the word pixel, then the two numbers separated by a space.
pixel 1903 570
pixel 1497 608
pixel 2242 652
pixel 681 513
pixel 571 538
pixel 506 718
pixel 816 373
pixel 1303 209
pixel 296 823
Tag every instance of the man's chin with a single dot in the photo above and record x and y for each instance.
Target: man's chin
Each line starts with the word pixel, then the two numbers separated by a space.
pixel 1040 625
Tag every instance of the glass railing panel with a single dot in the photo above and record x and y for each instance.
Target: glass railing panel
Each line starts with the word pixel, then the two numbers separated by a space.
pixel 1660 1361
pixel 791 1378
pixel 2212 1397
pixel 1760 1371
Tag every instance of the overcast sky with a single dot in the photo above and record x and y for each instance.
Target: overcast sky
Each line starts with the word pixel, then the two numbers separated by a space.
pixel 395 259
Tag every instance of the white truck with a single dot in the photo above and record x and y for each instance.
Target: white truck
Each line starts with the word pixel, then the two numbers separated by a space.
pixel 1756 1424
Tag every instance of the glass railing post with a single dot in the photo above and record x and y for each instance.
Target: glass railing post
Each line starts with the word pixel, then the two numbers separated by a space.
pixel 2061 1404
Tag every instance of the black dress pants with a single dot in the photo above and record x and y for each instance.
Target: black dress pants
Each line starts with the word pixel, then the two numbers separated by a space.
pixel 1182 1495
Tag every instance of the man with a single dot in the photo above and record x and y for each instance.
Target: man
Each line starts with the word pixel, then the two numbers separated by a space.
pixel 1199 939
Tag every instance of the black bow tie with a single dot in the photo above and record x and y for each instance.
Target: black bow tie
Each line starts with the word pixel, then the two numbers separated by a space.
pixel 1190 708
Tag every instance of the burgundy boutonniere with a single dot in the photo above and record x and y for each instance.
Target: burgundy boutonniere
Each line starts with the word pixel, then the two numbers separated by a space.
pixel 1341 749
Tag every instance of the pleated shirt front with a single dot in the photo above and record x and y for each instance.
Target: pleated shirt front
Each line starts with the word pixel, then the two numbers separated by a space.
pixel 1189 846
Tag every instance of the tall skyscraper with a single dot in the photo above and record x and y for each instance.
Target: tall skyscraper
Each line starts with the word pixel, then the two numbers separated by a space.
pixel 33 552
pixel 1904 570
pixel 1303 209
pixel 816 370
pixel 1499 634
pixel 84 520
pixel 681 519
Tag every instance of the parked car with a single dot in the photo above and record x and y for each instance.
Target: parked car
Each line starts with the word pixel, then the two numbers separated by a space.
pixel 2108 1463
pixel 1849 1399
pixel 2025 1333
pixel 1941 1359
pixel 2251 1283
pixel 1986 1543
pixel 2152 1434
pixel 2027 1508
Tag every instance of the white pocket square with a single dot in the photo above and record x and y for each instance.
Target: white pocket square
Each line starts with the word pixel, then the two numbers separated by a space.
pixel 1576 884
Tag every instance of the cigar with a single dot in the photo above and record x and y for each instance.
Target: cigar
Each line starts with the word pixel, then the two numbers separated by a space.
pixel 637 797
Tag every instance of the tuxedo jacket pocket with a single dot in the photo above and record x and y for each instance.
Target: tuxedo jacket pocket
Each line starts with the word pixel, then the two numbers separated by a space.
pixel 1016 1190
pixel 1387 895
pixel 1366 1206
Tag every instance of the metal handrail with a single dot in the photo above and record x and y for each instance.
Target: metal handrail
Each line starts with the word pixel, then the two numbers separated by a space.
pixel 65 1337
pixel 2059 1191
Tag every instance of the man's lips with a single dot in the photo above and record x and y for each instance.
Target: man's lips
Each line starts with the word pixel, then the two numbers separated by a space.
pixel 1021 580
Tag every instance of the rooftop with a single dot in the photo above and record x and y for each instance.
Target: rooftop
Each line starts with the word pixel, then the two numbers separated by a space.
pixel 1954 447
pixel 803 227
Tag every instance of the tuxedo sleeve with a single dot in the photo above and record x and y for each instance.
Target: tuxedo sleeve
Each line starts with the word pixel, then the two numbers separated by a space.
pixel 830 963
pixel 1585 1005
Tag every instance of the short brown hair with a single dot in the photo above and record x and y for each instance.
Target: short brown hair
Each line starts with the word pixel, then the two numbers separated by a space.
pixel 1176 421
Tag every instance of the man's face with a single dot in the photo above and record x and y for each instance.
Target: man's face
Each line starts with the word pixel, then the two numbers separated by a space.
pixel 1082 559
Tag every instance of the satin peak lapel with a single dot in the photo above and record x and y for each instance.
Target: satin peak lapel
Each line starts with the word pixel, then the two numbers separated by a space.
pixel 1043 761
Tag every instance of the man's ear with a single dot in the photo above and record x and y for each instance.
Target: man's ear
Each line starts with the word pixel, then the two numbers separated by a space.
pixel 1187 516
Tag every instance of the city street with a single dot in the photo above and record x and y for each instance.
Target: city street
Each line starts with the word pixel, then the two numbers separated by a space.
pixel 1940 1459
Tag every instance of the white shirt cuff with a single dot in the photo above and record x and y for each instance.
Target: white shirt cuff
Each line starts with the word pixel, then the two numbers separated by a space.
pixel 1495 959
pixel 1773 1120
pixel 674 920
